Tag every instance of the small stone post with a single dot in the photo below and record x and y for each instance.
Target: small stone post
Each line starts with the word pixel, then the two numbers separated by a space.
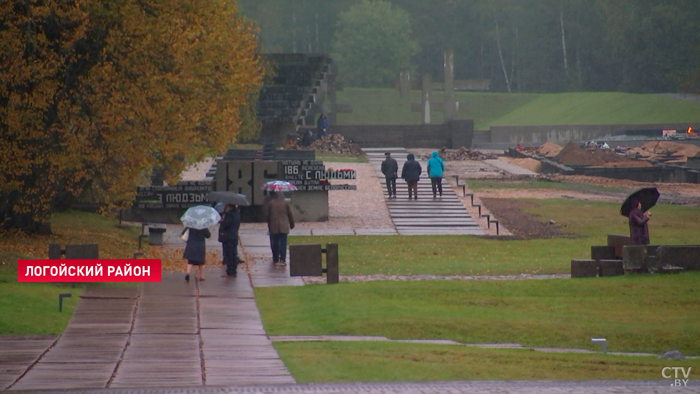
pixel 426 86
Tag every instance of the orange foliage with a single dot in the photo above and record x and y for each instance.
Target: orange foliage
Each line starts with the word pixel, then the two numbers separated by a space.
pixel 97 93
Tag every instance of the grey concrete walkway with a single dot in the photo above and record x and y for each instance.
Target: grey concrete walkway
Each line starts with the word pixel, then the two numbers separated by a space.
pixel 427 215
pixel 476 387
pixel 168 334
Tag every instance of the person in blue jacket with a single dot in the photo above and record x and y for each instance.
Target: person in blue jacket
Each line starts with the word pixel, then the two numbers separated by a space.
pixel 322 125
pixel 436 167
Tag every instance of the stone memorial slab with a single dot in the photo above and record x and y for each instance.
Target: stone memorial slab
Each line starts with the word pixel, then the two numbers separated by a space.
pixel 584 268
pixel 305 260
pixel 611 268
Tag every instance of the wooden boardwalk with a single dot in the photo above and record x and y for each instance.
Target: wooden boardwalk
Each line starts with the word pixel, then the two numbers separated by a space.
pixel 168 334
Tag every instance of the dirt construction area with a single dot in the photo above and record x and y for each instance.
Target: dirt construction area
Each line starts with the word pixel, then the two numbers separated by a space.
pixel 507 203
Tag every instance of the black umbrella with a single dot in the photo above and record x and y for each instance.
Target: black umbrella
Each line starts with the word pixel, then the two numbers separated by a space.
pixel 648 196
pixel 228 198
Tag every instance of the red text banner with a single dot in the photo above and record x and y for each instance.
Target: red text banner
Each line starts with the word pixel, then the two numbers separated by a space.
pixel 89 270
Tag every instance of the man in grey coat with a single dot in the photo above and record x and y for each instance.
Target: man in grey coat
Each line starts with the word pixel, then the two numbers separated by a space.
pixel 280 220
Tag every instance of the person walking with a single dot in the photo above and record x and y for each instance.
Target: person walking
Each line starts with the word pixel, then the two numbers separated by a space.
pixel 390 169
pixel 228 236
pixel 411 174
pixel 639 229
pixel 280 220
pixel 196 251
pixel 436 167
pixel 322 125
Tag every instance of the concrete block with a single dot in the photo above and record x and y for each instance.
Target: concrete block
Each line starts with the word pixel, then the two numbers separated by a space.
pixel 54 251
pixel 332 272
pixel 82 251
pixel 603 253
pixel 611 268
pixel 684 256
pixel 584 268
pixel 305 260
pixel 633 257
pixel 618 241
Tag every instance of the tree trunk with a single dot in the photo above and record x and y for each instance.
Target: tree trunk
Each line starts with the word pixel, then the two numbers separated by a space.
pixel 563 42
pixel 500 52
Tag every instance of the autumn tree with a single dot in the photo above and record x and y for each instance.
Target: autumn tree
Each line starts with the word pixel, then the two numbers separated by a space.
pixel 97 93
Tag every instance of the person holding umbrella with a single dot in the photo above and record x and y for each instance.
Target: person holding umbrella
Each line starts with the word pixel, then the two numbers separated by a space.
pixel 196 251
pixel 197 221
pixel 230 224
pixel 228 236
pixel 636 207
pixel 638 221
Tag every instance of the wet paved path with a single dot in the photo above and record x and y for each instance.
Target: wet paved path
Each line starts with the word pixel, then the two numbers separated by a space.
pixel 478 387
pixel 168 334
pixel 426 215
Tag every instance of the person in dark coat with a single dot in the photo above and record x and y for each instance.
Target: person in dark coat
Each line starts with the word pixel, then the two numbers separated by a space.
pixel 307 139
pixel 196 250
pixel 322 125
pixel 280 220
pixel 228 236
pixel 390 169
pixel 639 230
pixel 411 173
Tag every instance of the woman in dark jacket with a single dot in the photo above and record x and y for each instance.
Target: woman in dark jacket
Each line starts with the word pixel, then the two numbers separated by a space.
pixel 639 231
pixel 228 236
pixel 411 173
pixel 196 250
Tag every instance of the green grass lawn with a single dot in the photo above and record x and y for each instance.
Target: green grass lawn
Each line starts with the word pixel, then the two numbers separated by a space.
pixel 486 184
pixel 385 106
pixel 32 308
pixel 397 362
pixel 340 157
pixel 601 108
pixel 636 313
pixel 587 222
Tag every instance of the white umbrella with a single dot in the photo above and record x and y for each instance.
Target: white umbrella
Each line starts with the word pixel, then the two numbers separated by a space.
pixel 200 217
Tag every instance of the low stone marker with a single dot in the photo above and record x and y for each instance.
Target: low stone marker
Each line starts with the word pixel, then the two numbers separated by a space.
pixel 77 251
pixel 610 268
pixel 584 268
pixel 603 253
pixel 683 256
pixel 155 233
pixel 618 241
pixel 306 260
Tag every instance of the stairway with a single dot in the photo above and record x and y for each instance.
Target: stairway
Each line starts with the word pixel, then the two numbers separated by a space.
pixel 425 216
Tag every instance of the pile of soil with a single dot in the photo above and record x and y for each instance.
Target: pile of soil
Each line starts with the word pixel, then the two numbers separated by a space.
pixel 530 164
pixel 335 143
pixel 461 154
pixel 549 149
pixel 512 215
pixel 660 150
pixel 572 154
